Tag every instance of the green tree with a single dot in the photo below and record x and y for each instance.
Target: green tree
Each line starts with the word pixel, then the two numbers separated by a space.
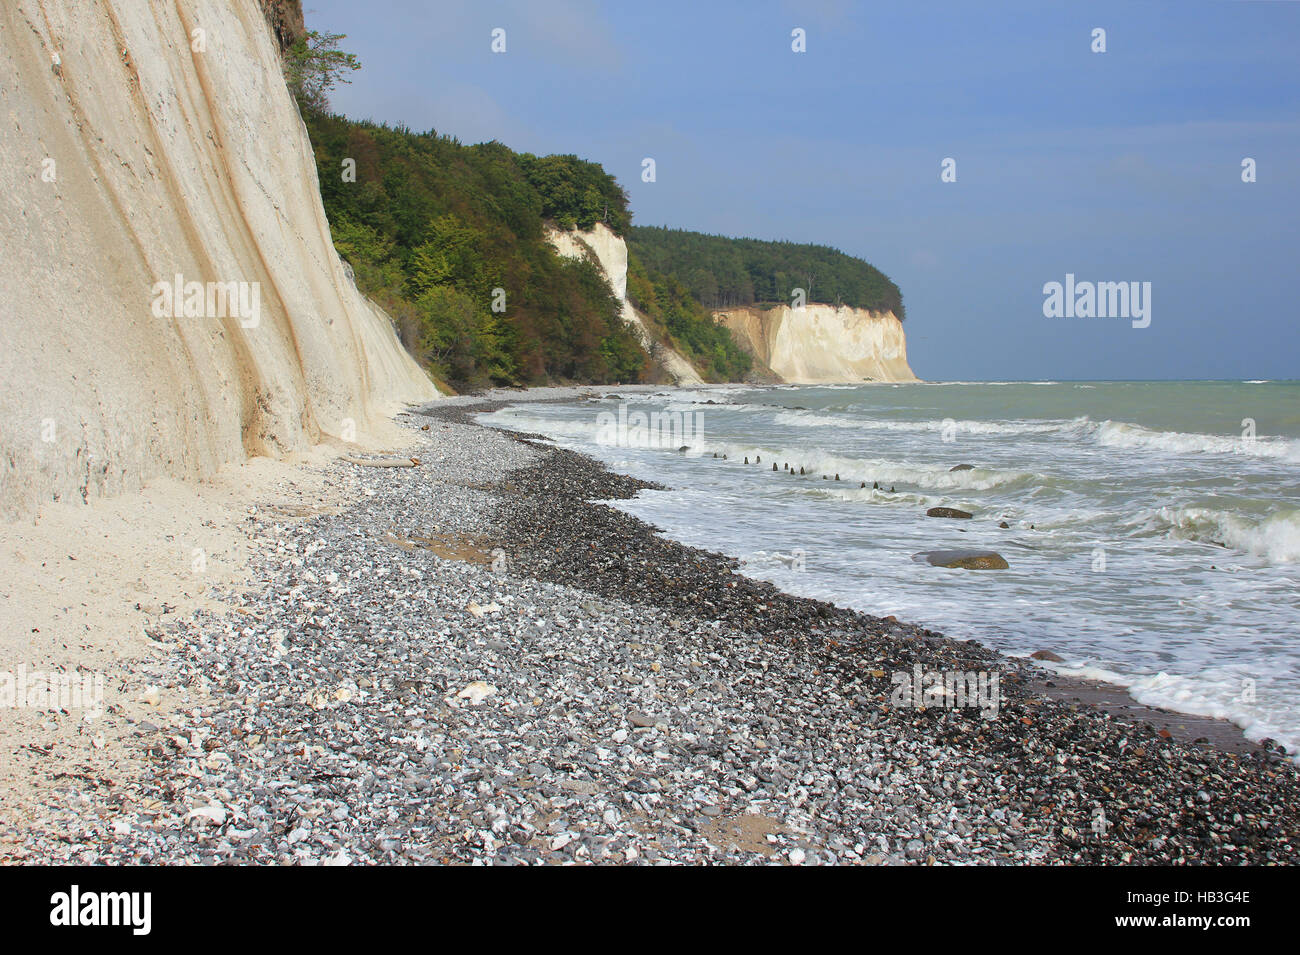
pixel 721 271
pixel 314 65
pixel 462 341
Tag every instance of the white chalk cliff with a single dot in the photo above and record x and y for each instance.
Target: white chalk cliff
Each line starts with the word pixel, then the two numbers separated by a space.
pixel 141 140
pixel 610 253
pixel 822 344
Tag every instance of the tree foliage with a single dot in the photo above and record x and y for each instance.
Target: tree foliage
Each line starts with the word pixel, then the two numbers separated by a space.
pixel 433 229
pixel 314 65
pixel 577 194
pixel 721 272
pixel 683 321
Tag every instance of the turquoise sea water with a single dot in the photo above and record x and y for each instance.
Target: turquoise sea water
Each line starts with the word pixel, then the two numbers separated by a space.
pixel 1154 527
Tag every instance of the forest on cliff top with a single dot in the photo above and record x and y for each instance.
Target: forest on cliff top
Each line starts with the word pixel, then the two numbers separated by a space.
pixel 723 272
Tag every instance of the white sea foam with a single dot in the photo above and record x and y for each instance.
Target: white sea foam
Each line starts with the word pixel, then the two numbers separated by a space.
pixel 935 426
pixel 818 461
pixel 1276 538
pixel 1107 433
pixel 1228 693
pixel 1121 434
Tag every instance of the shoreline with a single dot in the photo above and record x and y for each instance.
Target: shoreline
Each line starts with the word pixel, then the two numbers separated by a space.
pixel 1070 694
pixel 1112 698
pixel 475 662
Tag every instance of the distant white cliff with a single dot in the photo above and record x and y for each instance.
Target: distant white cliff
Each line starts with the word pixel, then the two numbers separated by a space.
pixel 822 344
pixel 610 253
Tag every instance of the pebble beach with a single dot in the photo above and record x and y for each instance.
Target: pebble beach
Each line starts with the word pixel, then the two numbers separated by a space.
pixel 478 662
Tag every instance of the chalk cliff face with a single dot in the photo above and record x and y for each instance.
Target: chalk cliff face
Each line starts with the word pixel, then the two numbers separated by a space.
pixel 610 253
pixel 144 140
pixel 822 344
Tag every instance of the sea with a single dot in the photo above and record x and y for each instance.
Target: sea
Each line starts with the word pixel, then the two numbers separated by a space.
pixel 1153 528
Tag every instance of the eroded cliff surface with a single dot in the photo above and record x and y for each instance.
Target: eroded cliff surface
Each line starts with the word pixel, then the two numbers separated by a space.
pixel 149 143
pixel 822 344
pixel 610 253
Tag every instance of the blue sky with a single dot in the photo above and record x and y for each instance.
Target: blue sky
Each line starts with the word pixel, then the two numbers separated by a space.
pixel 1115 166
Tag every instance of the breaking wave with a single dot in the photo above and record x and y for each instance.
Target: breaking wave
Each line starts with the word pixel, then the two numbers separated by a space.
pixel 1275 539
pixel 1121 434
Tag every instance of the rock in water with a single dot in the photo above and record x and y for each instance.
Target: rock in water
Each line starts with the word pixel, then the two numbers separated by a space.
pixel 947 512
pixel 962 467
pixel 1047 655
pixel 965 559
